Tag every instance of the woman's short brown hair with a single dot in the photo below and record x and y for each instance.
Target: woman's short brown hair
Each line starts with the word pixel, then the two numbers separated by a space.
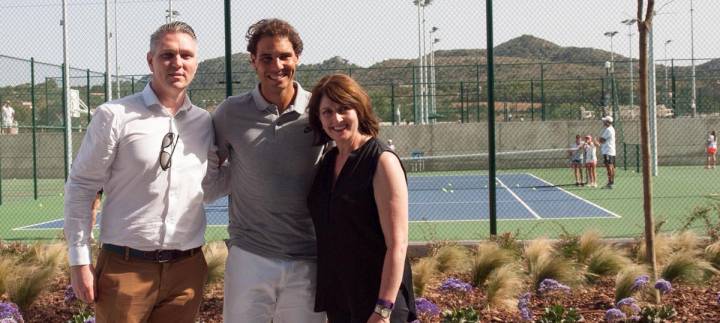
pixel 343 90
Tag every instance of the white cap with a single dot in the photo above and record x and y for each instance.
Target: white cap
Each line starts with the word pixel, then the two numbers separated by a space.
pixel 607 119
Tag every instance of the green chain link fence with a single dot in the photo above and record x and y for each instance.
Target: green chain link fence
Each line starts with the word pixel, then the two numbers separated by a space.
pixel 436 116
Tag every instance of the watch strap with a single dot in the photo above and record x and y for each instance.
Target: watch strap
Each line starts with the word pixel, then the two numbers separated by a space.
pixel 385 303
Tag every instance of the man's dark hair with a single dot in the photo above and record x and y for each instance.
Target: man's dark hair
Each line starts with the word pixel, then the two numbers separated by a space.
pixel 273 28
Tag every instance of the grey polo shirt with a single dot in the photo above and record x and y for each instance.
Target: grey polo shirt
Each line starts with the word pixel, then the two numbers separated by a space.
pixel 272 166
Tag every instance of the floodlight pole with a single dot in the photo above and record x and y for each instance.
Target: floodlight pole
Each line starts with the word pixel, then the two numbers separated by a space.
pixel 629 23
pixel 420 64
pixel 66 92
pixel 611 34
pixel 108 82
pixel 693 102
pixel 117 69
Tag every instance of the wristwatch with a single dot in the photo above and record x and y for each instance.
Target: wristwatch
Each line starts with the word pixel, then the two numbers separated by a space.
pixel 383 308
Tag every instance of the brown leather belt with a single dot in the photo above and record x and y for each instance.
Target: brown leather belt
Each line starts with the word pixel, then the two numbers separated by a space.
pixel 155 255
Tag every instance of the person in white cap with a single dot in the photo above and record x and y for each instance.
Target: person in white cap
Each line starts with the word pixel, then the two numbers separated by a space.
pixel 607 148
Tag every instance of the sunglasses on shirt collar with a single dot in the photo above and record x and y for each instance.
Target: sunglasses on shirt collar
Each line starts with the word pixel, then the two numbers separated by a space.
pixel 169 143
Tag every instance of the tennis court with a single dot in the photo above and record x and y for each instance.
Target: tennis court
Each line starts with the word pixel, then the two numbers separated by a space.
pixel 450 205
pixel 458 198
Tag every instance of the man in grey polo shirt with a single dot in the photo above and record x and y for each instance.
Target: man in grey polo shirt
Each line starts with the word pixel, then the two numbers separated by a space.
pixel 270 271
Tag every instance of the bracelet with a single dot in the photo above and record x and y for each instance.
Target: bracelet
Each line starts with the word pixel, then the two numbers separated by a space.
pixel 385 303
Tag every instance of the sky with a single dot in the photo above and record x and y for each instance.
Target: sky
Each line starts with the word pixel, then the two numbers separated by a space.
pixel 364 32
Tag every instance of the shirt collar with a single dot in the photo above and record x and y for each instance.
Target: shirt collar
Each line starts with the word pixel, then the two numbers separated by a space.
pixel 152 102
pixel 302 98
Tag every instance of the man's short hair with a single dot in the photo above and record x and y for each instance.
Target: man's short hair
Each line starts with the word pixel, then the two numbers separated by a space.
pixel 273 28
pixel 171 27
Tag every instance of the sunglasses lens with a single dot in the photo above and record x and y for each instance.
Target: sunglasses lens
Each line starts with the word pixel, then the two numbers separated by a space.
pixel 165 160
pixel 168 139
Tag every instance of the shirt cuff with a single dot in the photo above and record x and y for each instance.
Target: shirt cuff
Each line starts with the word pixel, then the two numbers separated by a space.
pixel 79 255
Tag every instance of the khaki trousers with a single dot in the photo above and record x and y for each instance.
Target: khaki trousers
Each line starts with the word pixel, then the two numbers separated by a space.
pixel 131 290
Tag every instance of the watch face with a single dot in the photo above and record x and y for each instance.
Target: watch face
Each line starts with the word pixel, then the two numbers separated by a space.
pixel 382 311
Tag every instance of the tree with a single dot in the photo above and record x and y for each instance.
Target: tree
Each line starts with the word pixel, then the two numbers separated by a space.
pixel 644 26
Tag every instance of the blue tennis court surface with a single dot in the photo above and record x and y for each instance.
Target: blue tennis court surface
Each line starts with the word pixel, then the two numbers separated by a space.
pixel 461 198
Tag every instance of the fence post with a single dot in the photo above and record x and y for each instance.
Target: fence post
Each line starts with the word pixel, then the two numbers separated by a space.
pixel 34 130
pixel 477 79
pixel 673 91
pixel 637 158
pixel 87 96
pixel 105 85
pixel 132 83
pixel 542 92
pixel 64 109
pixel 624 156
pixel 414 88
pixel 47 104
pixel 532 100
pixel 392 104
pixel 228 50
pixel 462 102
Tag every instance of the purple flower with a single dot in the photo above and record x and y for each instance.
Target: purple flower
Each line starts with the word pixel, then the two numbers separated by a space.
pixel 454 284
pixel 524 307
pixel 426 307
pixel 70 295
pixel 640 282
pixel 628 306
pixel 550 285
pixel 663 286
pixel 614 315
pixel 9 312
pixel 90 320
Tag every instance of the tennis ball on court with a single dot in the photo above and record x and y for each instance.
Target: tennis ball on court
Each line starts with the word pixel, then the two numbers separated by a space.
pixel 534 189
pixel 517 185
pixel 451 191
pixel 444 190
pixel 449 184
pixel 40 205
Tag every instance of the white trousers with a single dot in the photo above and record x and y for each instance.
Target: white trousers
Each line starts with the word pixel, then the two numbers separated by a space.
pixel 264 290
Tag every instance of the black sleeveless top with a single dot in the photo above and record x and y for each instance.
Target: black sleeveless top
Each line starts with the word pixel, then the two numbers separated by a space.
pixel 350 241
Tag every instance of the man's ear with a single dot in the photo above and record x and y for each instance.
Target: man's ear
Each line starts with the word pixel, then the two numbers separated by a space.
pixel 150 61
pixel 252 60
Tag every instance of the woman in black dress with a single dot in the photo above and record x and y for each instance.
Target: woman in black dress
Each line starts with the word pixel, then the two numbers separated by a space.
pixel 359 205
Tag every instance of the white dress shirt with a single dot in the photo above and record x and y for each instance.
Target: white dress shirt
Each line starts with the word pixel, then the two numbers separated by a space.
pixel 145 207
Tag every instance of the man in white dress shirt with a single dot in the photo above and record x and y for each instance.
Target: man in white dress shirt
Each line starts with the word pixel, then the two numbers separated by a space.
pixel 150 153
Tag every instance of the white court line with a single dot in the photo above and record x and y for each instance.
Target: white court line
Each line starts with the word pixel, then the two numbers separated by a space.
pixel 28 227
pixel 577 197
pixel 507 220
pixel 519 200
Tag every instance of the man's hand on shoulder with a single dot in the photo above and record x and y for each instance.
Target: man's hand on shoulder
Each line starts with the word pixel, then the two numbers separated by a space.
pixel 82 279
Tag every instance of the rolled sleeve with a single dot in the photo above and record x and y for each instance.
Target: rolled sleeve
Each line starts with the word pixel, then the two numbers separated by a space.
pixel 87 176
pixel 216 182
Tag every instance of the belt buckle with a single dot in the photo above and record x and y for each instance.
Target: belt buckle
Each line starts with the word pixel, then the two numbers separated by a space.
pixel 163 256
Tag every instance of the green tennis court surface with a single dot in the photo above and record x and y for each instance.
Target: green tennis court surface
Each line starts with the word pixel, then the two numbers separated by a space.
pixel 676 192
